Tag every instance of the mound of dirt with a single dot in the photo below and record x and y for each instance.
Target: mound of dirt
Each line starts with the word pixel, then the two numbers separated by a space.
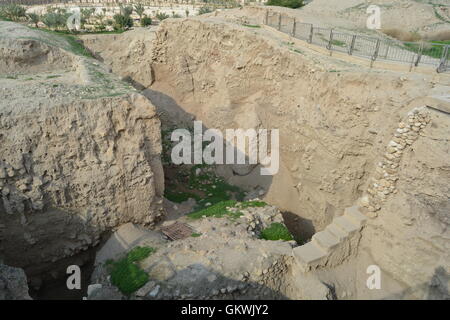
pixel 80 152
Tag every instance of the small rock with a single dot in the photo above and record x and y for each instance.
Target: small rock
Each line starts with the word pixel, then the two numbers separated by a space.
pixel 154 292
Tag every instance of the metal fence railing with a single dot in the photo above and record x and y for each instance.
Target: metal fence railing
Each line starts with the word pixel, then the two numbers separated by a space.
pixel 413 53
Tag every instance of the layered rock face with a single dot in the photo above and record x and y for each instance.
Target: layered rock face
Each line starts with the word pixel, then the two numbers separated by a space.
pixel 331 115
pixel 13 284
pixel 80 155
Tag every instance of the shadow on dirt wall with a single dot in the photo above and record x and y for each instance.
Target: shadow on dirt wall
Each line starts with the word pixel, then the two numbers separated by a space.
pixel 171 113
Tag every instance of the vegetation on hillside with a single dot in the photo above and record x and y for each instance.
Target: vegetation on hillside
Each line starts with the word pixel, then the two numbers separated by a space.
pixel 293 4
pixel 276 231
pixel 12 12
pixel 223 209
pixel 126 274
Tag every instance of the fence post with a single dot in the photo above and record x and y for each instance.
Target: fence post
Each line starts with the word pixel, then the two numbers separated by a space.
pixel 419 55
pixel 330 42
pixel 412 63
pixel 352 45
pixel 311 32
pixel 267 17
pixel 443 64
pixel 387 51
pixel 279 21
pixel 294 26
pixel 375 54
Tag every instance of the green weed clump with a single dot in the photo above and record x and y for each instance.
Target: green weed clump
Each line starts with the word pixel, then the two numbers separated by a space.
pixel 276 231
pixel 222 209
pixel 217 210
pixel 126 274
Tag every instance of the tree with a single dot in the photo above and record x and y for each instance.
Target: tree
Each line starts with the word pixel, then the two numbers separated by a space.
pixel 139 8
pixel 13 12
pixel 55 20
pixel 126 11
pixel 33 17
pixel 86 14
pixel 122 22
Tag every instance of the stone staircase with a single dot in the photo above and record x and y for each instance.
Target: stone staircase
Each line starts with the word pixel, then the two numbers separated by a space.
pixel 333 245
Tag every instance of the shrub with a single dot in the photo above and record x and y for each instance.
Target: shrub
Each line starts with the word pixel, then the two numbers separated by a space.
pixel 204 10
pixel 100 27
pixel 12 12
pixel 34 18
pixel 146 21
pixel 162 16
pixel 276 231
pixel 293 4
pixel 86 14
pixel 122 22
pixel 54 20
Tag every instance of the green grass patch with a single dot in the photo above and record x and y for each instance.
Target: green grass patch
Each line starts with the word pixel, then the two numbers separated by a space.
pixel 338 43
pixel 195 235
pixel 140 253
pixel 222 209
pixel 217 210
pixel 430 50
pixel 276 231
pixel 251 204
pixel 72 43
pixel 53 76
pixel 216 188
pixel 126 274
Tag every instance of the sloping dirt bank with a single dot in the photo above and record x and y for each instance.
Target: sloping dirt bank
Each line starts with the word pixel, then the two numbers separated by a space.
pixel 332 123
pixel 335 121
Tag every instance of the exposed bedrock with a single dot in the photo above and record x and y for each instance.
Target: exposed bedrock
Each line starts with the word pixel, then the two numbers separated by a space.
pixel 79 156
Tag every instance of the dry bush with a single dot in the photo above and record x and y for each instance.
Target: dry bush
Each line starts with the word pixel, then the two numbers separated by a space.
pixel 402 35
pixel 438 36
